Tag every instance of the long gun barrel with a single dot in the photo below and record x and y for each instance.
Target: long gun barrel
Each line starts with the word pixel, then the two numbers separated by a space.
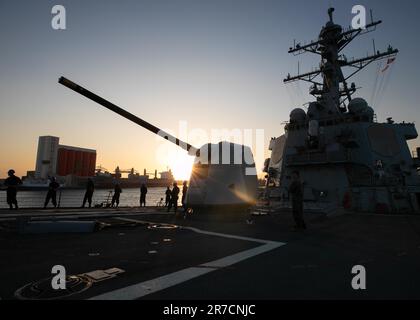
pixel 88 94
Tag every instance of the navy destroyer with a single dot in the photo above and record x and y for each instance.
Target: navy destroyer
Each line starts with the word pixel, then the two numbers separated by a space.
pixel 347 159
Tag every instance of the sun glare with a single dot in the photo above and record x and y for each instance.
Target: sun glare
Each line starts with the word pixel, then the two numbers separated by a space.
pixel 182 166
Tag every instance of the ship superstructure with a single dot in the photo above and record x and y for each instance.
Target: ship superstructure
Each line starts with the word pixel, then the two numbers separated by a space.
pixel 344 156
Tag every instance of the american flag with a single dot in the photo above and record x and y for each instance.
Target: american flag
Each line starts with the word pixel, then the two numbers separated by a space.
pixel 388 63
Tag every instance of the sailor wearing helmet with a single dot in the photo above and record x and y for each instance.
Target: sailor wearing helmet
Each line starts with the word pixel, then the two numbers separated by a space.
pixel 12 183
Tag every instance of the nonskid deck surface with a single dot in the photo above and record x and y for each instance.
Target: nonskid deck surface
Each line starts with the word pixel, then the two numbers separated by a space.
pixel 211 257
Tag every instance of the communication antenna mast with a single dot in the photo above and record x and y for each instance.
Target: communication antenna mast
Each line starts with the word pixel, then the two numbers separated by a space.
pixel 329 84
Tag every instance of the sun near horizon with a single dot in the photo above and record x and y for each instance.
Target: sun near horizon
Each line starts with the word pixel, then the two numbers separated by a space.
pixel 181 167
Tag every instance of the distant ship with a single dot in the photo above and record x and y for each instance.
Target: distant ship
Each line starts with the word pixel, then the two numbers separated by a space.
pixel 105 179
pixel 29 184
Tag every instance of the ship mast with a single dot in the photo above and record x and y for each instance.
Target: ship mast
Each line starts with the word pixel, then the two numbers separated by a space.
pixel 330 85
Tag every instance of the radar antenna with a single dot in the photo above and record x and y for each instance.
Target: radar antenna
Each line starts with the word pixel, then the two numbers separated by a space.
pixel 329 84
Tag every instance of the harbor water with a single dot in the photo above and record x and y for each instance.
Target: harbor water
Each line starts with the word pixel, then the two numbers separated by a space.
pixel 74 197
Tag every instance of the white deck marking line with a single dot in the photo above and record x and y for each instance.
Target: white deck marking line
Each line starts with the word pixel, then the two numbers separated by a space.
pixel 224 235
pixel 241 256
pixel 147 287
pixel 210 233
pixel 144 288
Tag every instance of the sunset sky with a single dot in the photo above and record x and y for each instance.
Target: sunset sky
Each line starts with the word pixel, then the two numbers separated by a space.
pixel 214 64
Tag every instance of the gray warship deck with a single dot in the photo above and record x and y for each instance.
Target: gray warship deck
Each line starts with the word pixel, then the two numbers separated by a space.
pixel 214 257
